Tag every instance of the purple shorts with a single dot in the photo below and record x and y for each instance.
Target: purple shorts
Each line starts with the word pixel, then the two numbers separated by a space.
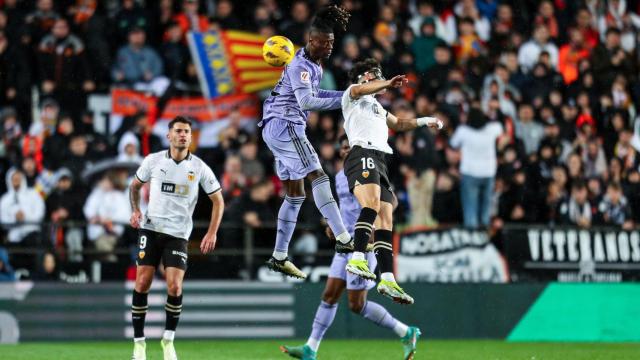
pixel 354 282
pixel 295 157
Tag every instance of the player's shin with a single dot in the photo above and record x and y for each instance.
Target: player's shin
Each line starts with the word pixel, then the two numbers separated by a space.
pixel 173 308
pixel 139 309
pixel 326 204
pixel 324 318
pixel 380 316
pixel 287 218
pixel 384 253
pixel 363 229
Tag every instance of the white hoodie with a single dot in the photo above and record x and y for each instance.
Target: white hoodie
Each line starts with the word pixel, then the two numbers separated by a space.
pixel 26 200
pixel 107 203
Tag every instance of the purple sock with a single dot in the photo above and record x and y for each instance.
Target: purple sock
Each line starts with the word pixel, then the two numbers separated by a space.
pixel 323 197
pixel 287 218
pixel 378 314
pixel 324 317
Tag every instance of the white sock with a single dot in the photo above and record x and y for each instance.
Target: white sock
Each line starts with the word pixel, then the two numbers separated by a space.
pixel 344 238
pixel 279 255
pixel 400 329
pixel 313 344
pixel 387 276
pixel 138 339
pixel 169 335
pixel 357 255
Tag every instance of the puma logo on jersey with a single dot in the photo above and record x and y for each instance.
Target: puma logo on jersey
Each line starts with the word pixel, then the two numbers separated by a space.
pixel 163 171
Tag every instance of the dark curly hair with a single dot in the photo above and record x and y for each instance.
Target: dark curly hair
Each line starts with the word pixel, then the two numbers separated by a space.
pixel 330 18
pixel 362 67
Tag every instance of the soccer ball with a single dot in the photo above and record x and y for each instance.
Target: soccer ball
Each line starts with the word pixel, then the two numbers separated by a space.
pixel 277 51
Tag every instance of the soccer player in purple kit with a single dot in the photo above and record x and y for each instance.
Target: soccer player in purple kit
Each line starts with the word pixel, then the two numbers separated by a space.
pixel 357 287
pixel 283 130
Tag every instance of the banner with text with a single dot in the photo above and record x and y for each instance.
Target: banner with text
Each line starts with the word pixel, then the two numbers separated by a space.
pixel 448 255
pixel 126 102
pixel 573 255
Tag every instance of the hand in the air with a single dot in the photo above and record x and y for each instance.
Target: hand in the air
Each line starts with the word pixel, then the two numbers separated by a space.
pixel 398 81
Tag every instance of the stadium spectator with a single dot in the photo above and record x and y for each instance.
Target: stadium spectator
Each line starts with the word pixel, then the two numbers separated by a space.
pixel 226 17
pixel 233 179
pixel 477 143
pixel 64 73
pixel 107 210
pixel 528 129
pixel 6 270
pixel 56 146
pixel 576 210
pixel 64 211
pixel 584 23
pixel 424 45
pixel 41 20
pixel 190 19
pixel 21 209
pixel 77 159
pixel 30 170
pixel 129 149
pixel 129 16
pixel 570 56
pixel 614 209
pixel 529 53
pixel 609 59
pixel 252 169
pixel 47 269
pixel 295 28
pixel 139 66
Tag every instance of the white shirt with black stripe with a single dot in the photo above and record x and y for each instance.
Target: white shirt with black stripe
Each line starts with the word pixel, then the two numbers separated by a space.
pixel 174 191
pixel 365 122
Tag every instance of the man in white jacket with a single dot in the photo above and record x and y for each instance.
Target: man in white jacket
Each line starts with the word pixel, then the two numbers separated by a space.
pixel 21 208
pixel 107 209
pixel 529 52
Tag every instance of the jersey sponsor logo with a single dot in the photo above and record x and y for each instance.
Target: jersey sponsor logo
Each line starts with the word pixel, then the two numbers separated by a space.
pixel 305 77
pixel 171 188
pixel 191 176
pixel 365 174
pixel 141 254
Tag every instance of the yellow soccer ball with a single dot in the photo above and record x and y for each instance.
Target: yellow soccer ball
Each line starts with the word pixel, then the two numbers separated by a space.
pixel 277 51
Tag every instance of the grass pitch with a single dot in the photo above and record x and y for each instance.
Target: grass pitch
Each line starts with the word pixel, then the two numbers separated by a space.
pixel 330 350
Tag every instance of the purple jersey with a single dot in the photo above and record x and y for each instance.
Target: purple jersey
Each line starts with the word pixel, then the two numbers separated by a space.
pixel 297 92
pixel 349 206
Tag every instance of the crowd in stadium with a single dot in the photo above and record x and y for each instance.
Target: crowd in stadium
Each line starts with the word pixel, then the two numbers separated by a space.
pixel 548 91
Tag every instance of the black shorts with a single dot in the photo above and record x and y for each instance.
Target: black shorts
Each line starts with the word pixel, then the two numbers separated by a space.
pixel 154 246
pixel 368 166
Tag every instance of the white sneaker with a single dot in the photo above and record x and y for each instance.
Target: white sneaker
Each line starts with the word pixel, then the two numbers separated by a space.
pixel 139 350
pixel 168 350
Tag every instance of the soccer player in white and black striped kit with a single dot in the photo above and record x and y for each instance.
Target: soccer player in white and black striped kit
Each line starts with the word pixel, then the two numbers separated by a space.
pixel 174 176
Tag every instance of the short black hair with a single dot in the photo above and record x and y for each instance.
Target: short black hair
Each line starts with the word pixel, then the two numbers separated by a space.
pixel 179 119
pixel 342 138
pixel 330 18
pixel 362 67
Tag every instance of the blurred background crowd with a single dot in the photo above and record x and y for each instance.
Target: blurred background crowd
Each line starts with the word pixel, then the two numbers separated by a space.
pixel 539 100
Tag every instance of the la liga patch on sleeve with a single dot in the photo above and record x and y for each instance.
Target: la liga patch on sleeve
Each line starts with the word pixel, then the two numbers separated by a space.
pixel 305 77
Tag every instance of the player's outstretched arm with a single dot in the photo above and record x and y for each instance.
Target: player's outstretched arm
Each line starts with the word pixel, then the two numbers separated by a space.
pixel 134 200
pixel 402 124
pixel 375 86
pixel 209 241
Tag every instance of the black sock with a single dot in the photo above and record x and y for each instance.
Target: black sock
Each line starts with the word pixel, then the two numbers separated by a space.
pixel 382 246
pixel 173 308
pixel 139 309
pixel 363 228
